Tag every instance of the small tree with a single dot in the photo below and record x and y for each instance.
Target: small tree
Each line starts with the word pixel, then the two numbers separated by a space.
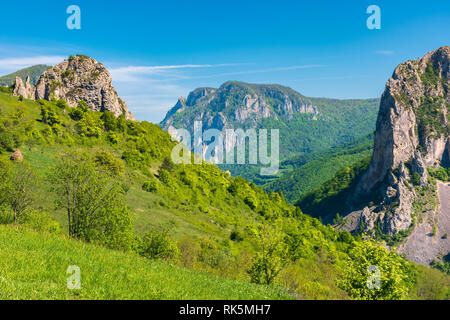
pixel 83 105
pixel 17 189
pixel 272 255
pixel 62 104
pixel 109 120
pixel 373 273
pixel 94 202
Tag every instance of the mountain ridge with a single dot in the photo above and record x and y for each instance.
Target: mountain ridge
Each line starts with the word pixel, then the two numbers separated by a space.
pixel 34 72
pixel 306 124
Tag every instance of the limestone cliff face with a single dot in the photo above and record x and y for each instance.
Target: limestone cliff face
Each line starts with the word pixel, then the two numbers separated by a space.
pixel 75 79
pixel 237 103
pixel 412 133
pixel 25 90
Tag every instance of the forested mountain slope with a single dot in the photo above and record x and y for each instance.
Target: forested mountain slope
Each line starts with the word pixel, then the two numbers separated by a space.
pixel 33 72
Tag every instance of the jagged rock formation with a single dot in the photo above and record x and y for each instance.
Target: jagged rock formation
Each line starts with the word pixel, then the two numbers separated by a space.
pixel 26 90
pixel 412 133
pixel 235 105
pixel 75 79
pixel 238 102
pixel 305 124
pixel 34 72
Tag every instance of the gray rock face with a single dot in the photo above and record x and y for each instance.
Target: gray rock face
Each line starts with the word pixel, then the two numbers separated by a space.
pixel 25 90
pixel 237 102
pixel 412 134
pixel 75 79
pixel 197 94
pixel 397 136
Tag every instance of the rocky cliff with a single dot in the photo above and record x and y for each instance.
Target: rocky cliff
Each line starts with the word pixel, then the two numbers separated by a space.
pixel 75 79
pixel 412 135
pixel 25 90
pixel 306 124
pixel 238 102
pixel 33 72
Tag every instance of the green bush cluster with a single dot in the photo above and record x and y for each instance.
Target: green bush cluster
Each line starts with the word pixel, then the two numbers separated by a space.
pixel 150 186
pixel 440 173
pixel 157 245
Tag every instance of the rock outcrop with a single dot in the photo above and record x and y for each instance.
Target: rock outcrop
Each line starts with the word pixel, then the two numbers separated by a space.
pixel 75 79
pixel 26 90
pixel 16 156
pixel 412 134
pixel 238 102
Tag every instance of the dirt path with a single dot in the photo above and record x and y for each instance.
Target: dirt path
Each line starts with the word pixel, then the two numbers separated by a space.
pixel 422 247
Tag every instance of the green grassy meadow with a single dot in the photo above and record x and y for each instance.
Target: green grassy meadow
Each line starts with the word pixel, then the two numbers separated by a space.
pixel 34 266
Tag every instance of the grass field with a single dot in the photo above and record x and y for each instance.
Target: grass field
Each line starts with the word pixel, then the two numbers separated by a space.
pixel 33 266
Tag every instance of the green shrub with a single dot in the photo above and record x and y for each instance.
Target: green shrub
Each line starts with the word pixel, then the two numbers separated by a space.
pixel 345 236
pixel 40 221
pixel 271 257
pixel 167 165
pixel 440 173
pixel 251 202
pixel 371 272
pixel 9 139
pixel 150 186
pixel 83 106
pixel 164 176
pixel 89 125
pixel 107 161
pixel 134 159
pixel 50 117
pixel 76 114
pixel 109 121
pixel 158 246
pixel 416 178
pixel 112 138
pixel 236 236
pixel 62 104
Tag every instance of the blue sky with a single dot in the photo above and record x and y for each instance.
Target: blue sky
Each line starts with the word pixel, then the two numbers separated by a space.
pixel 158 51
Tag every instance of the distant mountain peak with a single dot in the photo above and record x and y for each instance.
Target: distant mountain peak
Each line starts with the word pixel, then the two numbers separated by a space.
pixel 241 102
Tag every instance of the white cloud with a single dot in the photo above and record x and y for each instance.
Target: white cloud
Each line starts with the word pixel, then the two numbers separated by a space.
pixel 130 73
pixel 14 64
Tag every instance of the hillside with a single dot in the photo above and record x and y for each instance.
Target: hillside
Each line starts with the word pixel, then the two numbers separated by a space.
pixel 304 172
pixel 33 72
pixel 109 181
pixel 207 215
pixel 29 260
pixel 306 124
pixel 395 196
